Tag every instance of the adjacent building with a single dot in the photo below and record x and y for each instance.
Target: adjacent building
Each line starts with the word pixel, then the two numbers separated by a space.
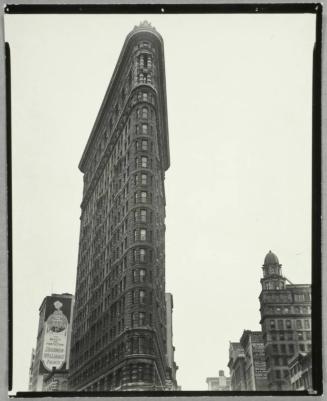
pixel 119 339
pixel 53 339
pixel 300 368
pixel 56 381
pixel 170 347
pixel 30 379
pixel 285 320
pixel 237 366
pixel 255 361
pixel 220 383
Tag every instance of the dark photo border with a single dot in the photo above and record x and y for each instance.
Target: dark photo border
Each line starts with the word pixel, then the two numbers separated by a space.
pixel 316 252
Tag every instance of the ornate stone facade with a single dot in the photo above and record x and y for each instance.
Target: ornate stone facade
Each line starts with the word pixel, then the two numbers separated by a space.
pixel 285 321
pixel 119 329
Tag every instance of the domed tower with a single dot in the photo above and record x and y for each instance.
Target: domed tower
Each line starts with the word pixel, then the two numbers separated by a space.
pixel 272 273
pixel 285 310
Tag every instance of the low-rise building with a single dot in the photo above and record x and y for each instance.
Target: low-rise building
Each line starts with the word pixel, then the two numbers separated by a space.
pixel 220 383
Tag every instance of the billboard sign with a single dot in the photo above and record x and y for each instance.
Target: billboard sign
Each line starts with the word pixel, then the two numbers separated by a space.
pixel 56 333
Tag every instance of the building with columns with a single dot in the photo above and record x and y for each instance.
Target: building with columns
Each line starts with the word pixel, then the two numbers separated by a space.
pixel 285 320
pixel 119 339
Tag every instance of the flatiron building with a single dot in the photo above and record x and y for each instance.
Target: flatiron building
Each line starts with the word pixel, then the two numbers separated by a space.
pixel 119 327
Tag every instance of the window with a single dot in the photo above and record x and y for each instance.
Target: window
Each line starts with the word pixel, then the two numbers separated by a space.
pixel 306 324
pixel 144 196
pixel 135 235
pixel 288 324
pixel 299 335
pixel 143 234
pixel 280 324
pixel 291 348
pixel 142 297
pixel 142 275
pixel 277 374
pixel 142 255
pixel 134 276
pixel 141 318
pixel 272 324
pixel 143 216
pixel 275 348
pixel 299 324
pixel 144 128
pixel 283 348
pixel 144 96
pixel 135 197
pixel 136 179
pixel 308 335
pixel 144 145
pixel 144 179
pixel 134 319
pixel 136 215
pixel 144 162
pixel 135 255
pixel 144 112
pixel 302 348
pixel 282 336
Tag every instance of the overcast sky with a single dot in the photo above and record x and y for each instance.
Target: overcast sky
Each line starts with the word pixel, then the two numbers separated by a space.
pixel 239 111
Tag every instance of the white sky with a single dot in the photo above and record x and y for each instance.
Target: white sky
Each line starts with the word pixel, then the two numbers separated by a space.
pixel 239 112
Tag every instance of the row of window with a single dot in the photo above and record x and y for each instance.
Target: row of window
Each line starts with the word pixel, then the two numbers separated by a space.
pixel 132 372
pixel 288 309
pixel 144 113
pixel 143 129
pixel 139 296
pixel 282 349
pixel 288 324
pixel 143 162
pixel 142 144
pixel 139 319
pixel 142 197
pixel 144 60
pixel 142 234
pixel 282 336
